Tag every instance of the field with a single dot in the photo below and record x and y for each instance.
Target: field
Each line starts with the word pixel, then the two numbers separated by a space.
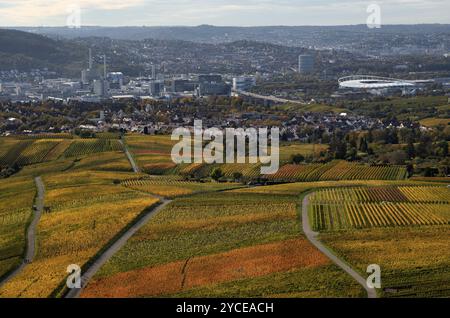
pixel 414 261
pixel 82 147
pixel 237 238
pixel 356 208
pixel 77 225
pixel 150 149
pixel 433 122
pixel 29 150
pixel 172 186
pixel 15 212
pixel 337 170
pixel 217 239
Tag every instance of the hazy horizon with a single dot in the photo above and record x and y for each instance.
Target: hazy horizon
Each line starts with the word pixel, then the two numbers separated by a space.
pixel 243 13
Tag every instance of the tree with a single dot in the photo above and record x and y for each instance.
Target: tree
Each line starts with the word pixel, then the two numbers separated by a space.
pixel 442 149
pixel 216 174
pixel 352 154
pixel 297 159
pixel 411 150
pixel 363 145
pixel 237 176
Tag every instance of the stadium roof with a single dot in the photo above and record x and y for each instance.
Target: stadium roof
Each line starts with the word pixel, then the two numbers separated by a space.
pixel 373 82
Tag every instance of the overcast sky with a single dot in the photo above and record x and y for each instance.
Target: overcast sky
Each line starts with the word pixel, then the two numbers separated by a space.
pixel 220 12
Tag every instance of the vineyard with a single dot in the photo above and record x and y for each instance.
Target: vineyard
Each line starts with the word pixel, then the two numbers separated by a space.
pixel 172 186
pixel 15 212
pixel 76 226
pixel 355 208
pixel 233 237
pixel 29 151
pixel 82 147
pixel 337 170
pixel 415 261
pixel 44 136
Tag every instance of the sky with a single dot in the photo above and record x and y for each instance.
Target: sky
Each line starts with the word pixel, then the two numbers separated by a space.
pixel 217 12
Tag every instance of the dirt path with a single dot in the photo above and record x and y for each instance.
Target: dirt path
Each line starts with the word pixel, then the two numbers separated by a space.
pixel 312 237
pixel 114 248
pixel 130 158
pixel 31 231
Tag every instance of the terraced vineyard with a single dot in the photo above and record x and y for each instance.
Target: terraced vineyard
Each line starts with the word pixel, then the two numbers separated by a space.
pixel 356 208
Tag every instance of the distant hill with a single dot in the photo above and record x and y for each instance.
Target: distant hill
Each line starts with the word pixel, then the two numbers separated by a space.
pixel 300 36
pixel 25 51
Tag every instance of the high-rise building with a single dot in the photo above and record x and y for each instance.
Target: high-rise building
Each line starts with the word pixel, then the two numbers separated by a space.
pixel 156 88
pixel 306 64
pixel 153 71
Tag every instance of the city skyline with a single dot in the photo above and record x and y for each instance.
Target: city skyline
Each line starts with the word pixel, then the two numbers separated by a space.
pixel 219 12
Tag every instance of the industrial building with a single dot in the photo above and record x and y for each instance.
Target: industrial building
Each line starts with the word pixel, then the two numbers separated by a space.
pixel 243 83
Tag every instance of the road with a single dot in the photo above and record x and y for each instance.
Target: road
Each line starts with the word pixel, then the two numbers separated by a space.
pixel 271 98
pixel 31 231
pixel 130 158
pixel 312 237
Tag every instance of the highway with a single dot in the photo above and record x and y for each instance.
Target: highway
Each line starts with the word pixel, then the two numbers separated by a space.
pixel 270 98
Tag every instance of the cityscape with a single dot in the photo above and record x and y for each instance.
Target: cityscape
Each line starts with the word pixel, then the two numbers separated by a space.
pixel 134 156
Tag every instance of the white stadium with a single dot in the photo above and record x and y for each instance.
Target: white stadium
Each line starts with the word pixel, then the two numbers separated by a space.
pixel 374 82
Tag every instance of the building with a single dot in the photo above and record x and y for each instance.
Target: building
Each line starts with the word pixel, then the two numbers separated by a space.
pixel 100 88
pixel 156 88
pixel 212 84
pixel 218 89
pixel 210 78
pixel 243 83
pixel 306 64
pixel 115 80
pixel 88 75
pixel 183 85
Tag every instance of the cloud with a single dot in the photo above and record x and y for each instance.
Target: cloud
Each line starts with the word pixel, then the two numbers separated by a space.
pixel 26 11
pixel 221 12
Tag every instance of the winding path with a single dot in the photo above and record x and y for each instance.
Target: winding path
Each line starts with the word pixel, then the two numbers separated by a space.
pixel 312 237
pixel 121 241
pixel 31 231
pixel 113 249
pixel 130 157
